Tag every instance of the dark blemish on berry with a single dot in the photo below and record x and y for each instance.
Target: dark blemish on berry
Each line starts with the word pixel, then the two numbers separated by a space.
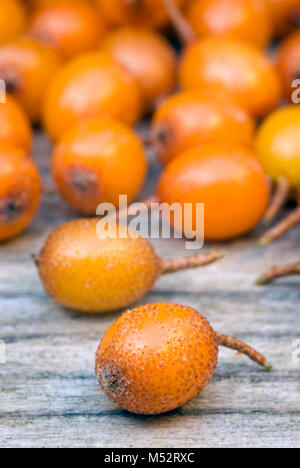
pixel 11 208
pixel 295 19
pixel 13 80
pixel 163 135
pixel 83 181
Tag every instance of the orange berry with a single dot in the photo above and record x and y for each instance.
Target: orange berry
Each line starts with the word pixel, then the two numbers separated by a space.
pixel 14 125
pixel 228 180
pixel 12 19
pixel 192 118
pixel 20 191
pixel 86 269
pixel 94 162
pixel 289 63
pixel 285 15
pixel 278 149
pixel 27 68
pixel 247 20
pixel 92 85
pixel 238 68
pixel 278 145
pixel 70 28
pixel 157 357
pixel 143 13
pixel 147 56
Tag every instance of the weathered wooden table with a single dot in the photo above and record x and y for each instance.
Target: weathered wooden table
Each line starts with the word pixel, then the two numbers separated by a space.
pixel 50 396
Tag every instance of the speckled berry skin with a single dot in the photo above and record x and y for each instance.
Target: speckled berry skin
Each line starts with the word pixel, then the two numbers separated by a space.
pixel 157 357
pixel 91 274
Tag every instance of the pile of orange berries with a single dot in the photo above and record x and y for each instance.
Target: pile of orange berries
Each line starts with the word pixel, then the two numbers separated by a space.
pixel 225 120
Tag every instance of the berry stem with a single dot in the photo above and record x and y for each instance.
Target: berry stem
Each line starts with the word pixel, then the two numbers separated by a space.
pixel 276 232
pixel 241 347
pixel 278 272
pixel 289 222
pixel 171 266
pixel 280 197
pixel 181 25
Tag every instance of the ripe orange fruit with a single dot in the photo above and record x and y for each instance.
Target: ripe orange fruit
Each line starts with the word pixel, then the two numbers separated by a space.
pixel 278 149
pixel 70 28
pixel 92 85
pixel 86 269
pixel 14 125
pixel 192 118
pixel 278 144
pixel 147 56
pixel 285 15
pixel 279 272
pixel 228 180
pixel 27 68
pixel 248 20
pixel 20 191
pixel 238 68
pixel 144 13
pixel 157 357
pixel 12 19
pixel 93 163
pixel 289 63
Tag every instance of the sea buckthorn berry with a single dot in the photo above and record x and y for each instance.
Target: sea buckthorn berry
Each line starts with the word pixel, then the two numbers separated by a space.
pixel 247 20
pixel 238 68
pixel 157 357
pixel 289 65
pixel 285 15
pixel 20 191
pixel 278 144
pixel 85 269
pixel 228 180
pixel 97 161
pixel 278 149
pixel 92 85
pixel 27 67
pixel 145 13
pixel 12 19
pixel 193 118
pixel 147 56
pixel 70 28
pixel 15 128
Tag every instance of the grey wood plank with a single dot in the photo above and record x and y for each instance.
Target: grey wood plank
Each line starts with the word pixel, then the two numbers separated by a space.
pixel 50 396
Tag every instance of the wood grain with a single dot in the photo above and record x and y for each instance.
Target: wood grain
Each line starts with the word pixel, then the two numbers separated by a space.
pixel 50 396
